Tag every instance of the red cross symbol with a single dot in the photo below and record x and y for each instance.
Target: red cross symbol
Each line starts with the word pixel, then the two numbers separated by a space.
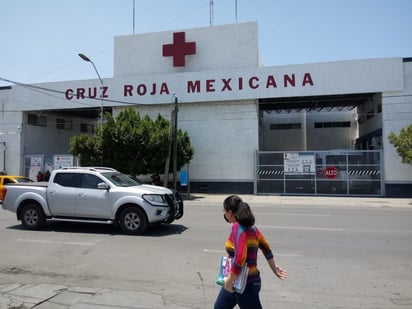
pixel 179 49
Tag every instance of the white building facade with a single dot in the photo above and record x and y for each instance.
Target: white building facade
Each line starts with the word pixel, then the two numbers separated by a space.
pixel 233 108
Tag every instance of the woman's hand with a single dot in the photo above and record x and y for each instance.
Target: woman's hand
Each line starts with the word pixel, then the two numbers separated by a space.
pixel 280 273
pixel 228 285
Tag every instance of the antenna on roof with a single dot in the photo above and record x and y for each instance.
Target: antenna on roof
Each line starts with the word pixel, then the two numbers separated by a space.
pixel 236 10
pixel 211 12
pixel 134 1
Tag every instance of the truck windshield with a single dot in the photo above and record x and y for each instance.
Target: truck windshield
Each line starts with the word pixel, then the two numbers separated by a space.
pixel 120 180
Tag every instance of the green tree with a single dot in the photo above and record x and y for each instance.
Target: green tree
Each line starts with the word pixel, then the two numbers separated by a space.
pixel 87 148
pixel 131 144
pixel 403 143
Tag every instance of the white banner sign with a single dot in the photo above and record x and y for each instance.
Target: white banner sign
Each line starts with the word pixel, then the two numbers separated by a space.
pixel 60 161
pixel 298 163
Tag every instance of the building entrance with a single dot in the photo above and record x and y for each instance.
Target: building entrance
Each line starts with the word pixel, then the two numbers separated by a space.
pixel 334 172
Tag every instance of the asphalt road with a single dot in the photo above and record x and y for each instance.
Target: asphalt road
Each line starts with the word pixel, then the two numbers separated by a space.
pixel 336 256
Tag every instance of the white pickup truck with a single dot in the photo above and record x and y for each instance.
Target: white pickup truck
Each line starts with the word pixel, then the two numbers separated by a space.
pixel 93 194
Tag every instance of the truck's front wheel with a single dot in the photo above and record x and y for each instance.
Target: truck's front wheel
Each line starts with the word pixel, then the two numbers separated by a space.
pixel 32 217
pixel 133 221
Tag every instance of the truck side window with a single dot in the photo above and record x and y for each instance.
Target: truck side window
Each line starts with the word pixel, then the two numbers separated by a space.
pixel 90 181
pixel 65 179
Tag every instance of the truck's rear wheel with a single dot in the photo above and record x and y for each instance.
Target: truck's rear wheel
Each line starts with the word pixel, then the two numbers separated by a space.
pixel 133 221
pixel 32 217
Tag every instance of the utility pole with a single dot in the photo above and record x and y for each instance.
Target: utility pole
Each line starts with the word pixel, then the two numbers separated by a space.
pixel 176 110
pixel 172 146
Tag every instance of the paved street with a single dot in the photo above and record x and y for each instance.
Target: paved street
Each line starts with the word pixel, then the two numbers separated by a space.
pixel 339 252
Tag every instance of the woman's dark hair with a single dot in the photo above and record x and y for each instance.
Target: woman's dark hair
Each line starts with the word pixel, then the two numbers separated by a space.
pixel 240 209
pixel 244 215
pixel 232 203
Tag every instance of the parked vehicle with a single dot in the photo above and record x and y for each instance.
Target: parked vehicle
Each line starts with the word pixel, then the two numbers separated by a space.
pixel 6 179
pixel 93 194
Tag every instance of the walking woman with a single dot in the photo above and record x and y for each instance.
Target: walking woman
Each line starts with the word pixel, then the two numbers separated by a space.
pixel 242 245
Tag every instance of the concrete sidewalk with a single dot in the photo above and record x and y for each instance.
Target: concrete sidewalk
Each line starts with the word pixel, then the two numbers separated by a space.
pixel 49 296
pixel 304 200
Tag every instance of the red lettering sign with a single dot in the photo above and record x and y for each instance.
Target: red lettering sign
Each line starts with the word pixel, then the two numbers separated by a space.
pixel 331 172
pixel 227 84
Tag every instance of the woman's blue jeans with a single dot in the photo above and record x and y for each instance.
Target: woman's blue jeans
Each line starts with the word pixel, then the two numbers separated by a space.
pixel 249 299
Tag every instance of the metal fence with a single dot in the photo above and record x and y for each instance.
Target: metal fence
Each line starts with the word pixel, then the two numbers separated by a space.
pixel 334 172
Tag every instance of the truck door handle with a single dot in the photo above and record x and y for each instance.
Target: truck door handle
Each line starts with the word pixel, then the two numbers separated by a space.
pixel 81 194
pixel 52 192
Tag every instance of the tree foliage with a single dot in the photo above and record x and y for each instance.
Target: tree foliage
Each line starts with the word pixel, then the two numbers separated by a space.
pixel 131 144
pixel 403 143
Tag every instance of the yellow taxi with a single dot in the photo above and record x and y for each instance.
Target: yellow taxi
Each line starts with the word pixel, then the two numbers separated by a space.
pixel 6 179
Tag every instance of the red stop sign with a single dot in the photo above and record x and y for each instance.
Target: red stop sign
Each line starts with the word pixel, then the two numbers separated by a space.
pixel 331 172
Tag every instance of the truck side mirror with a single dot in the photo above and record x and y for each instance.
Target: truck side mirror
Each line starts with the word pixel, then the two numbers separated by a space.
pixel 103 186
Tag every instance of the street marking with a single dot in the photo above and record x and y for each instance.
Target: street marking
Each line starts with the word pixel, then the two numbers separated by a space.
pixel 292 214
pixel 302 228
pixel 214 250
pixel 53 242
pixel 277 254
pixel 288 254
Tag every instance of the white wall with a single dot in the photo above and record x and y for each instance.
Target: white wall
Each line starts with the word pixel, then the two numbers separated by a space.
pixel 331 138
pixel 22 139
pixel 397 114
pixel 369 125
pixel 49 140
pixel 315 139
pixel 280 140
pixel 215 46
pixel 224 136
pixel 11 128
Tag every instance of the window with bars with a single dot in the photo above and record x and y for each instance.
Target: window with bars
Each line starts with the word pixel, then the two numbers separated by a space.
pixel 285 126
pixel 341 124
pixel 37 120
pixel 63 124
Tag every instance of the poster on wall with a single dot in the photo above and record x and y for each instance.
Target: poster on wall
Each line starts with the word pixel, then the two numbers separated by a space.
pixel 299 163
pixel 60 161
pixel 36 165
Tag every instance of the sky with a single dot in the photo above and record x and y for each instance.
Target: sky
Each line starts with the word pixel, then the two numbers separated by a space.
pixel 41 39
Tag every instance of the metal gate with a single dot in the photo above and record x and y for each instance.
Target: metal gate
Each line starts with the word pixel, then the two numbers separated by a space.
pixel 334 172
